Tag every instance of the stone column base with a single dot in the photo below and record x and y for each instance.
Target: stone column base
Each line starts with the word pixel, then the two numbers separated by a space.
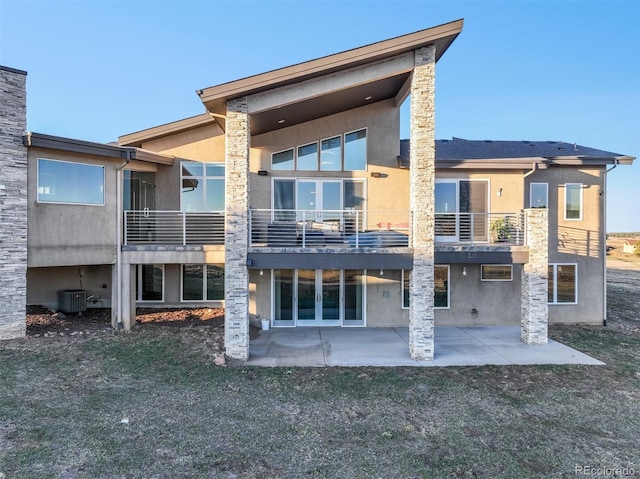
pixel 17 329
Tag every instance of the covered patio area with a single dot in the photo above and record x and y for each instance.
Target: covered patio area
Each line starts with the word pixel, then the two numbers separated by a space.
pixel 454 346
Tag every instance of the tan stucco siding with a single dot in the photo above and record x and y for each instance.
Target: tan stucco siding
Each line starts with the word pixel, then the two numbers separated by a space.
pixel 579 242
pixel 382 123
pixel 70 234
pixel 205 143
pixel 506 188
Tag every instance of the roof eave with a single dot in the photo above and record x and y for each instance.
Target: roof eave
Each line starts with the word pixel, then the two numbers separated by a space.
pixel 40 140
pixel 138 137
pixel 215 97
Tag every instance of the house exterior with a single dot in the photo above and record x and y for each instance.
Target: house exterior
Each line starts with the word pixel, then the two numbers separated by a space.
pixel 630 245
pixel 293 198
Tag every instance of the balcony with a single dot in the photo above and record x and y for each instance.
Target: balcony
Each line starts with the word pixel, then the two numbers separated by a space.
pixel 148 227
pixel 476 229
pixel 329 228
pixel 337 229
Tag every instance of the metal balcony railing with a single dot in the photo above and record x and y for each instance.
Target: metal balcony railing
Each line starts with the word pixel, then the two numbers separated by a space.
pixel 326 228
pixel 329 228
pixel 173 227
pixel 474 228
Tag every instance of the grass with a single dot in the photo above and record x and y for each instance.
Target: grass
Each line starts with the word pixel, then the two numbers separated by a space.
pixel 63 402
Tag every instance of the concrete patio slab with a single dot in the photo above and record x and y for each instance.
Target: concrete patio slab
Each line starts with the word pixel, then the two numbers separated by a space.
pixel 464 346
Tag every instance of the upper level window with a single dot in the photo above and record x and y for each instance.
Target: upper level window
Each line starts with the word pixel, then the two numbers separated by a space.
pixel 355 150
pixel 331 154
pixel 202 186
pixel 308 157
pixel 283 160
pixel 539 195
pixel 573 201
pixel 69 182
pixel 346 152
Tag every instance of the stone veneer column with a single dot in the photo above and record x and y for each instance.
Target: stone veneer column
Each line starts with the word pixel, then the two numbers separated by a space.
pixel 534 311
pixel 13 203
pixel 236 274
pixel 422 191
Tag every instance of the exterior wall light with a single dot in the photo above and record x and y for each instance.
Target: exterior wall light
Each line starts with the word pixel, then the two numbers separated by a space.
pixel 262 173
pixel 376 174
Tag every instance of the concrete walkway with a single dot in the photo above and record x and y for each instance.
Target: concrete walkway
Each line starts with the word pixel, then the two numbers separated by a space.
pixel 464 346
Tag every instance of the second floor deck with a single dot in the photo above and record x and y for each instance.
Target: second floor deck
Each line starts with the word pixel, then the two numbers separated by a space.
pixel 350 230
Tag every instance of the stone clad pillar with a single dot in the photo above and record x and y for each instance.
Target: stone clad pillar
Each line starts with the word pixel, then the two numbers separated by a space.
pixel 236 274
pixel 13 203
pixel 422 192
pixel 534 310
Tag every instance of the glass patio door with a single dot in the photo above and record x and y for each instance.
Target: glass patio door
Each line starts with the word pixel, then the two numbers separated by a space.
pixel 446 209
pixel 318 297
pixel 319 200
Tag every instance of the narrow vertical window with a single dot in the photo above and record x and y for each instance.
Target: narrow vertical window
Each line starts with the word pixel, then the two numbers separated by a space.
pixel 355 150
pixel 562 285
pixel 331 154
pixel 406 280
pixel 150 282
pixel 441 287
pixel 308 157
pixel 573 201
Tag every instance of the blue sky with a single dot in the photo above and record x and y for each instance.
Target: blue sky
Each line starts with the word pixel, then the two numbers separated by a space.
pixel 543 70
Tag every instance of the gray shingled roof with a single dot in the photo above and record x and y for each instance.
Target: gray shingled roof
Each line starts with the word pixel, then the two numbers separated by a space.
pixel 461 149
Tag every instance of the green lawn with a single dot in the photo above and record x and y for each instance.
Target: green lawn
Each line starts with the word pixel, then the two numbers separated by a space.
pixel 63 400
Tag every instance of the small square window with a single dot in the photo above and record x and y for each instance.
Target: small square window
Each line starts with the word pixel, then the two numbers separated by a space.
pixel 283 160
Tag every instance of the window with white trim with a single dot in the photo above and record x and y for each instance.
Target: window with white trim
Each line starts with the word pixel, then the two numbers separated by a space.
pixel 563 283
pixel 496 272
pixel 150 283
pixel 282 160
pixel 70 182
pixel 440 287
pixel 539 195
pixel 202 186
pixel 573 201
pixel 202 282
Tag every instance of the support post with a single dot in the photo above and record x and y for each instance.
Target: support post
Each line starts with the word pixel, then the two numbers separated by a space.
pixel 13 203
pixel 422 192
pixel 236 274
pixel 534 310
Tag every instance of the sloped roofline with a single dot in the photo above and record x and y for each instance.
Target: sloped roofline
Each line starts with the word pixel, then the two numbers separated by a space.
pixel 215 97
pixel 138 137
pixel 40 140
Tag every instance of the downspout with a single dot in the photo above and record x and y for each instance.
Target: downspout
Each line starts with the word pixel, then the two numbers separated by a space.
pixel 534 168
pixel 119 219
pixel 604 222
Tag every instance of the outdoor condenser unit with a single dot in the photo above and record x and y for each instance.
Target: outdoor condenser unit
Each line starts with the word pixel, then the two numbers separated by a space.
pixel 72 300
